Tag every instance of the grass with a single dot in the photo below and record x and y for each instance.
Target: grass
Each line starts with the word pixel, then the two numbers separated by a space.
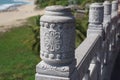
pixel 17 60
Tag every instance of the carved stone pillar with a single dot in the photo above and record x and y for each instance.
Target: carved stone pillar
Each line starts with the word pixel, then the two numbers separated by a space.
pixel 95 19
pixel 95 27
pixel 107 11
pixel 114 24
pixel 107 15
pixel 114 6
pixel 57 35
pixel 107 28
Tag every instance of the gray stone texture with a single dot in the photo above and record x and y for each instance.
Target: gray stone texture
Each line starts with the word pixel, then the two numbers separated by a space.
pixel 93 59
pixel 57 36
pixel 114 5
pixel 95 19
pixel 107 11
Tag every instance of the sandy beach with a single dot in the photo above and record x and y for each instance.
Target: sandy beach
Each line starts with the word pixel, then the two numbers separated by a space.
pixel 17 16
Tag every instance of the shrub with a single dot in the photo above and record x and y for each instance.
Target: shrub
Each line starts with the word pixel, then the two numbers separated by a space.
pixel 35 26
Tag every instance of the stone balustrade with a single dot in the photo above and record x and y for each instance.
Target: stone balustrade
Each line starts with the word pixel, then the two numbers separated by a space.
pixel 93 59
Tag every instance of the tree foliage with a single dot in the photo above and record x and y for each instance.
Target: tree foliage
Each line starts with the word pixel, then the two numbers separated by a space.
pixel 44 3
pixel 35 27
pixel 81 24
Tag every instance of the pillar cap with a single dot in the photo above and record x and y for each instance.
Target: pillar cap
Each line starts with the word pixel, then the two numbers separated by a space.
pixel 57 14
pixel 107 8
pixel 106 3
pixel 96 5
pixel 114 2
pixel 57 8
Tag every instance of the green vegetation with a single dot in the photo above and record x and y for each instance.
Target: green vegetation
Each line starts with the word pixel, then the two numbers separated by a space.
pixel 44 3
pixel 17 60
pixel 34 24
pixel 81 29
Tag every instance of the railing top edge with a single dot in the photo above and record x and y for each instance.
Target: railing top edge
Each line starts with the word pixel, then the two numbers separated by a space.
pixel 85 47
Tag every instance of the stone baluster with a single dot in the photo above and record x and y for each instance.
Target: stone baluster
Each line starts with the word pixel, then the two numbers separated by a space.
pixel 117 29
pixel 95 19
pixel 96 27
pixel 107 27
pixel 114 6
pixel 114 25
pixel 57 35
pixel 107 11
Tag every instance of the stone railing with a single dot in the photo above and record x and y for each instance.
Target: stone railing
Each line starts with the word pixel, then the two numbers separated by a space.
pixel 93 59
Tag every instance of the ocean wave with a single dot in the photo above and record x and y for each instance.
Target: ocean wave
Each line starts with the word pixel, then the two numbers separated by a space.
pixel 24 1
pixel 7 6
pixel 12 4
pixel 20 0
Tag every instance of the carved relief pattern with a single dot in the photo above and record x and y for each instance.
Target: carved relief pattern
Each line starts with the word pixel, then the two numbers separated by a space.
pixel 57 42
pixel 51 37
pixel 96 15
pixel 52 40
pixel 45 66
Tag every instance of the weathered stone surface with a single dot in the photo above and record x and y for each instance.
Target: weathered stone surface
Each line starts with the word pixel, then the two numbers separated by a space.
pixel 114 5
pixel 107 12
pixel 95 19
pixel 57 42
pixel 96 13
pixel 56 70
pixel 48 77
pixel 57 14
pixel 107 8
pixel 57 36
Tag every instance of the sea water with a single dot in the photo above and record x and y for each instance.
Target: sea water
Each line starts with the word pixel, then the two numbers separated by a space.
pixel 5 4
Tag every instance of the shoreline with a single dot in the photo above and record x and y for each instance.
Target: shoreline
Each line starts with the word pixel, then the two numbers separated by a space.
pixel 14 6
pixel 17 17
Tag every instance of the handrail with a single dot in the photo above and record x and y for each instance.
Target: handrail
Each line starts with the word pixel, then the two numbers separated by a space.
pixel 86 47
pixel 93 59
pixel 86 51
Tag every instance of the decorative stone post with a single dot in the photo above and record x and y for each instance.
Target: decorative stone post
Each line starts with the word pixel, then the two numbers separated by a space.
pixel 95 19
pixel 57 35
pixel 107 11
pixel 114 24
pixel 107 27
pixel 114 6
pixel 95 27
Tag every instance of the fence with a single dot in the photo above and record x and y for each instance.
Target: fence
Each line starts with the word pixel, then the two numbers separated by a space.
pixel 93 59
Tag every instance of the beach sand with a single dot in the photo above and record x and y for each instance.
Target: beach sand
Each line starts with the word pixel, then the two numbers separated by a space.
pixel 16 17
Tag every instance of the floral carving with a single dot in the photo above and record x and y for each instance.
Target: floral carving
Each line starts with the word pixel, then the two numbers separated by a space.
pixel 52 41
pixel 45 66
